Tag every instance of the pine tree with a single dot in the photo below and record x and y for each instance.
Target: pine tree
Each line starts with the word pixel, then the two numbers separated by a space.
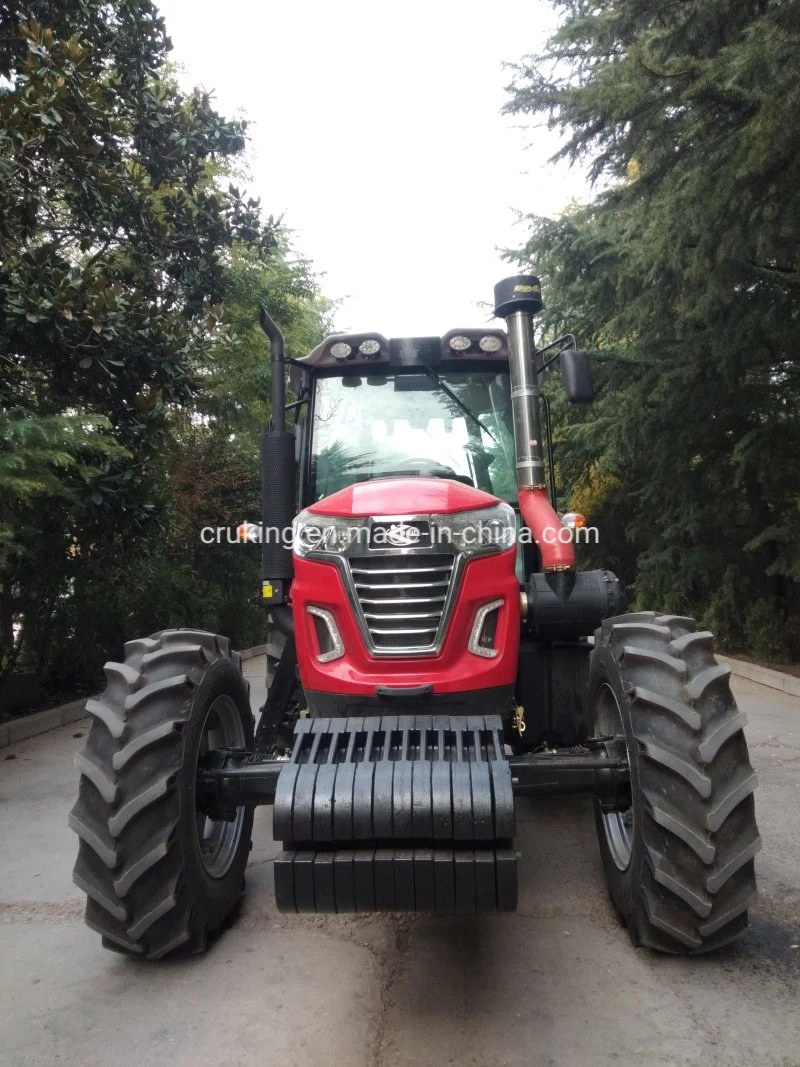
pixel 683 273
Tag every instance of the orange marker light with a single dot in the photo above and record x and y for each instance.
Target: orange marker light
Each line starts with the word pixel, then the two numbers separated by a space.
pixel 573 520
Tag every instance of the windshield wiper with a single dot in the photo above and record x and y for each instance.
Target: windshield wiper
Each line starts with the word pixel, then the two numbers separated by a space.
pixel 449 392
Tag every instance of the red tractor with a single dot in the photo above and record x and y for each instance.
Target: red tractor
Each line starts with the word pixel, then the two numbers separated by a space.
pixel 436 662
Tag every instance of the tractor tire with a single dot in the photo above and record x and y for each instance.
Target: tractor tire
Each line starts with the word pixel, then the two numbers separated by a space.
pixel 159 876
pixel 679 861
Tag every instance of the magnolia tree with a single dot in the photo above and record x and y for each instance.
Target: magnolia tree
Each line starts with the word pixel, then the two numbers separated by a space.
pixel 126 254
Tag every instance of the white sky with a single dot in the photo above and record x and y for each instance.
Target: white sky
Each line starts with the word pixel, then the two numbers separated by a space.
pixel 376 131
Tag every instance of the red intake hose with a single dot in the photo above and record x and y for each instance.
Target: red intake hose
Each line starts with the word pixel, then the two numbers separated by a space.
pixel 545 525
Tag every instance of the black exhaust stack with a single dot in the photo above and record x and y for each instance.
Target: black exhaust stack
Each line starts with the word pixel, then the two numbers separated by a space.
pixel 278 491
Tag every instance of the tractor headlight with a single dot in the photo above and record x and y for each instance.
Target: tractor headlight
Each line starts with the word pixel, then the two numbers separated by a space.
pixel 474 532
pixel 325 533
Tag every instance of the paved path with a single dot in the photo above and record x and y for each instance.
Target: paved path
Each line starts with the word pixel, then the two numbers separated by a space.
pixel 555 983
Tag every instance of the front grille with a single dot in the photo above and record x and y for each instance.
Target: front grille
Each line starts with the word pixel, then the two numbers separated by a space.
pixel 402 598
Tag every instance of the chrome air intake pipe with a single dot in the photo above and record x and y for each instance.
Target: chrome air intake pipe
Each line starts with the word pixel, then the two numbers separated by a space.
pixel 517 300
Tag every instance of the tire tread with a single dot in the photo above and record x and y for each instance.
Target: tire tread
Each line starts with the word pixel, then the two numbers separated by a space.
pixel 696 783
pixel 130 863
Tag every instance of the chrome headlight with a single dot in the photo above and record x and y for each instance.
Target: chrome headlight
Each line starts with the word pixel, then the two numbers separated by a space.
pixel 473 532
pixel 326 533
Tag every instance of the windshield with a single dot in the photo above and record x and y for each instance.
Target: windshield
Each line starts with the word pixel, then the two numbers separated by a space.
pixel 407 424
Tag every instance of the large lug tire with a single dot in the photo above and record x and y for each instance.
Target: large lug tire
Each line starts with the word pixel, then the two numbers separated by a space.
pixel 679 862
pixel 160 877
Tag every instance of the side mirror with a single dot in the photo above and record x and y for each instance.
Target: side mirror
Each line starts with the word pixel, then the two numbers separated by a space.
pixel 576 374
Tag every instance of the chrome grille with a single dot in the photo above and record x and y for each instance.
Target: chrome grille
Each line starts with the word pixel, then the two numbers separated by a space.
pixel 402 598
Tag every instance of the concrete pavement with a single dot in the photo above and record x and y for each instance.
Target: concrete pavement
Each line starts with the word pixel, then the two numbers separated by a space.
pixel 555 983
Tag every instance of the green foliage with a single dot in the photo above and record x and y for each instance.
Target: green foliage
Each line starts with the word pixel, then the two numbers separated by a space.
pixel 683 276
pixel 131 271
pixel 763 630
pixel 35 454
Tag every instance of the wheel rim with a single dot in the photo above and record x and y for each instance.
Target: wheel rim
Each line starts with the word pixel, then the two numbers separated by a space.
pixel 617 825
pixel 218 839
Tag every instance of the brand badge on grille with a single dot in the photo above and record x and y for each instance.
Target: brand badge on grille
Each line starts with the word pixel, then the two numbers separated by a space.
pixel 402 535
pixel 398 533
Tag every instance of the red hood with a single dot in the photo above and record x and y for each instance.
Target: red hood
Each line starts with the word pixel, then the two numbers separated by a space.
pixel 403 496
